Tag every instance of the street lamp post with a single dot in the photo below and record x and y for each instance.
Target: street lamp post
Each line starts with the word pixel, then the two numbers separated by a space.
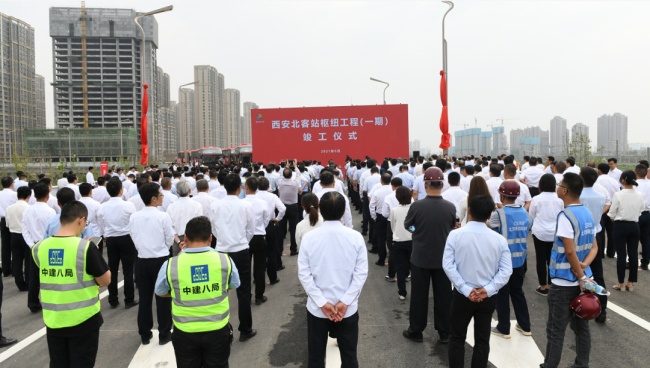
pixel 179 101
pixel 386 83
pixel 444 56
pixel 11 159
pixel 143 51
pixel 69 148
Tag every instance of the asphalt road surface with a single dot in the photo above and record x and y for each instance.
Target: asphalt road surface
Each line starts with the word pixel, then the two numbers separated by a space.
pixel 282 333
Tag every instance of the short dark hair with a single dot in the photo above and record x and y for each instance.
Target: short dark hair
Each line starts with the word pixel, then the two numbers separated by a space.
pixel 589 176
pixel 23 192
pixel 385 178
pixel 326 178
pixel 252 183
pixel 495 170
pixel 403 195
pixel 148 191
pixel 453 178
pixel 510 169
pixel 6 182
pixel 84 189
pixel 603 167
pixel 202 185
pixel 612 159
pixel 41 191
pixel 469 169
pixel 232 182
pixel 263 184
pixel 198 229
pixel 641 170
pixel 113 187
pixel 72 178
pixel 72 210
pixel 65 196
pixel 481 207
pixel 571 161
pixel 287 173
pixel 573 184
pixel 101 181
pixel 396 182
pixel 332 206
pixel 547 183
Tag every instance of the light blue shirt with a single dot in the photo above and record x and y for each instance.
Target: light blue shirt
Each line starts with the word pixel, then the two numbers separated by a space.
pixel 162 285
pixel 595 202
pixel 54 224
pixel 476 257
pixel 407 179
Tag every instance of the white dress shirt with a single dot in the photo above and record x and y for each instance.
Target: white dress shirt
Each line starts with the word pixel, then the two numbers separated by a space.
pixel 493 187
pixel 168 198
pixel 377 200
pixel 304 226
pixel 418 186
pixel 524 194
pixel 113 217
pixel 455 195
pixel 182 211
pixel 465 182
pixel 615 174
pixel 543 210
pixel 612 186
pixel 232 223
pixel 20 183
pixel 35 220
pixel 205 200
pixel 274 203
pixel 532 176
pixel 7 198
pixel 75 189
pixel 644 188
pixel 219 193
pixel 100 194
pixel 573 169
pixel 62 183
pixel 332 267
pixel 370 182
pixel 92 206
pixel 213 184
pixel 627 205
pixel 397 217
pixel 90 179
pixel 318 187
pixel 14 216
pixel 390 202
pixel 261 213
pixel 152 233
pixel 137 202
pixel 347 215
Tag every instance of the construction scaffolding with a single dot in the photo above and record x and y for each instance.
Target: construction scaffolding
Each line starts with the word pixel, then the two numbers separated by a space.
pixel 82 145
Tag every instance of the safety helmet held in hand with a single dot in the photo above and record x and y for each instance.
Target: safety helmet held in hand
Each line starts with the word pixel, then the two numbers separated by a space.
pixel 586 306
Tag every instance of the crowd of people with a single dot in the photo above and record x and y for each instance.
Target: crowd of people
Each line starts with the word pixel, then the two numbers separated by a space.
pixel 186 235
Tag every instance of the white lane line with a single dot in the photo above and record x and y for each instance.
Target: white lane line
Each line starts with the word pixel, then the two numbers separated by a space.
pixel 629 315
pixel 332 354
pixel 38 334
pixel 154 355
pixel 518 351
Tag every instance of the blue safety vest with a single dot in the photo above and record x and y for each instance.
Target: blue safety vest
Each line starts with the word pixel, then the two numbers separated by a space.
pixel 515 231
pixel 584 230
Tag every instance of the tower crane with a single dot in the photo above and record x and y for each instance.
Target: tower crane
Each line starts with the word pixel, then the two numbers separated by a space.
pixel 84 66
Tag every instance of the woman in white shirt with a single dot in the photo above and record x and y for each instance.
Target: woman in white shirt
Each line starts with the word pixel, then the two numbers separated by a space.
pixel 309 203
pixel 477 187
pixel 544 209
pixel 626 208
pixel 402 240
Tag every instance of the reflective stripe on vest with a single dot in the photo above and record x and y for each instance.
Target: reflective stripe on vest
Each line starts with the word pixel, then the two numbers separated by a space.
pixel 210 310
pixel 583 238
pixel 513 225
pixel 69 295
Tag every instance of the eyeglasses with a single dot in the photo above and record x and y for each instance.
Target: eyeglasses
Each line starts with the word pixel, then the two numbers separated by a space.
pixel 562 186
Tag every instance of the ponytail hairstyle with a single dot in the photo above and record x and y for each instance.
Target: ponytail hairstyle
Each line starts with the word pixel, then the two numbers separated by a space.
pixel 628 177
pixel 310 205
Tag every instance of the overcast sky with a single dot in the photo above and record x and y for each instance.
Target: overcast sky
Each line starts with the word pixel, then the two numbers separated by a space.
pixel 524 60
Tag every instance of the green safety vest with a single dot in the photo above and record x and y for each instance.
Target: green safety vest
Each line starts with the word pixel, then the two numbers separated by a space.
pixel 69 295
pixel 199 290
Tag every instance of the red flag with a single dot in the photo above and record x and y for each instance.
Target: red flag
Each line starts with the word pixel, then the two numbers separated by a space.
pixel 144 142
pixel 444 117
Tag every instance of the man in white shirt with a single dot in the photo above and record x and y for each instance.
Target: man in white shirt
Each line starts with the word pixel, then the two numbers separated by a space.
pixel 184 209
pixel 35 219
pixel 257 245
pixel 169 197
pixel 72 184
pixel 273 253
pixel 614 172
pixel 100 194
pixel 454 194
pixel 233 224
pixel 332 268
pixel 203 197
pixel 611 186
pixel 19 250
pixel 113 217
pixel 381 222
pixel 525 197
pixel 371 178
pixel 90 178
pixel 63 181
pixel 220 191
pixel 407 179
pixel 213 182
pixel 494 182
pixel 327 181
pixel 86 191
pixel 419 190
pixel 467 180
pixel 531 177
pixel 571 166
pixel 7 198
pixel 641 172
pixel 153 235
pixel 135 198
pixel 21 180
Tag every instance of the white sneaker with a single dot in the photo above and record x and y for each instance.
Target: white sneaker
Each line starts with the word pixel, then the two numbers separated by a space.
pixel 525 333
pixel 496 332
pixel 402 297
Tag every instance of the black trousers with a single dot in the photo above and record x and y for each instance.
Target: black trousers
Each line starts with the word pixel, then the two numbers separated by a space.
pixel 365 220
pixel 389 242
pixel 401 256
pixel 626 239
pixel 597 269
pixel 257 252
pixel 347 337
pixel 121 249
pixel 380 232
pixel 20 254
pixel 542 260
pixel 34 284
pixel 290 217
pixel 421 279
pixel 514 291
pixel 462 312
pixel 1 292
pixel 242 261
pixel 202 349
pixel 73 352
pixel 5 238
pixel 644 233
pixel 608 225
pixel 148 269
pixel 272 251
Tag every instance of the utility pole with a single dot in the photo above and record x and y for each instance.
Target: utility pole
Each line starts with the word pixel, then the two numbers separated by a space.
pixel 617 149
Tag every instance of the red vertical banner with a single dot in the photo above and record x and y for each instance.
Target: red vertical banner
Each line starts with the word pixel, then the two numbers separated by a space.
pixel 144 142
pixel 103 168
pixel 444 116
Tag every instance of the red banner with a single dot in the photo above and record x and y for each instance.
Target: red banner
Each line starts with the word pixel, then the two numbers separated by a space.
pixel 445 139
pixel 330 133
pixel 144 141
pixel 103 168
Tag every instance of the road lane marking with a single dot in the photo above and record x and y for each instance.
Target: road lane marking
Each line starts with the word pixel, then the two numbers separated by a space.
pixel 518 351
pixel 38 334
pixel 154 355
pixel 332 354
pixel 628 315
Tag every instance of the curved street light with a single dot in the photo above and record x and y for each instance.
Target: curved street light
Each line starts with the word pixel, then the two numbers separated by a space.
pixel 386 83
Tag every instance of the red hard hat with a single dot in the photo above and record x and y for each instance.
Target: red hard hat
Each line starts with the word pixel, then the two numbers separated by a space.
pixel 509 188
pixel 433 174
pixel 586 306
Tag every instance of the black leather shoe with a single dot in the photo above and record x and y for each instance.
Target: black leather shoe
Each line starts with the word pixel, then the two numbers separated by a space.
pixel 165 340
pixel 130 305
pixel 146 339
pixel 444 338
pixel 262 300
pixel 114 305
pixel 373 251
pixel 294 252
pixel 36 310
pixel 602 318
pixel 281 268
pixel 246 336
pixel 412 336
pixel 274 282
pixel 380 263
pixel 6 341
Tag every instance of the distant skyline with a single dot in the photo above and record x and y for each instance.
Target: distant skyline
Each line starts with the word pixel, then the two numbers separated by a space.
pixel 524 60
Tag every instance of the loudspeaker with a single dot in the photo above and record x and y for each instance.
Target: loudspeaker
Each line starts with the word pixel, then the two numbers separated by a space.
pixel 416 154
